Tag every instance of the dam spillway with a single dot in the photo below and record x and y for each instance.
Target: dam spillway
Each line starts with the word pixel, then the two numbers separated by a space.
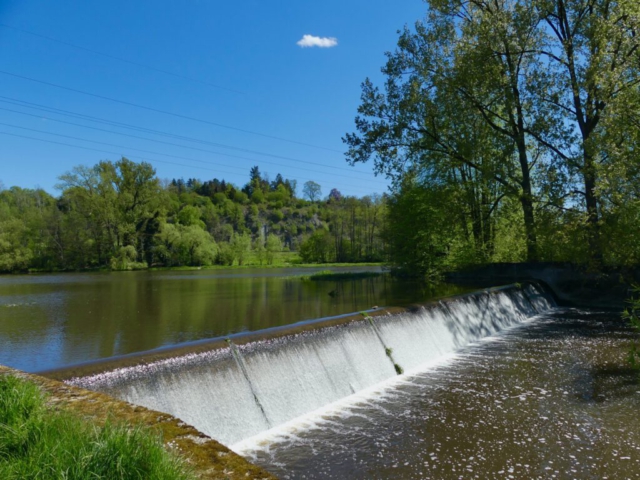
pixel 243 387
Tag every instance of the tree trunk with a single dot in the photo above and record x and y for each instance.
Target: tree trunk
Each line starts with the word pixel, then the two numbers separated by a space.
pixel 526 199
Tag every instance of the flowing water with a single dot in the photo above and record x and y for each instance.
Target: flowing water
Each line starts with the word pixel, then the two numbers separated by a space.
pixel 49 321
pixel 238 391
pixel 552 398
pixel 494 384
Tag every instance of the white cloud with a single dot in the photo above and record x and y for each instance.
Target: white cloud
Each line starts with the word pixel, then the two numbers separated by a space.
pixel 313 41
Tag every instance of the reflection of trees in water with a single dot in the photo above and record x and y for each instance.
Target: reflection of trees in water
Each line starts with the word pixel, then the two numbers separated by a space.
pixel 102 315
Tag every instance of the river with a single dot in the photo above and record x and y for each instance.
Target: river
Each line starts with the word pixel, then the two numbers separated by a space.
pixel 54 320
pixel 551 398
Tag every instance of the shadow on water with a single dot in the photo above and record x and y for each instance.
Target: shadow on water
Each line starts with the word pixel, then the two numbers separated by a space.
pixel 606 383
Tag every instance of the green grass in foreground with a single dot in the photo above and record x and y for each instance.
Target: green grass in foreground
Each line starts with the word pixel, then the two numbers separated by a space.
pixel 38 442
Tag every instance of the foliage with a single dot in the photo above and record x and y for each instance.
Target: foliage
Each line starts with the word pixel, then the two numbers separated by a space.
pixel 518 121
pixel 317 248
pixel 125 259
pixel 119 216
pixel 420 229
pixel 181 245
pixel 240 246
pixel 273 246
pixel 36 442
pixel 632 315
pixel 312 191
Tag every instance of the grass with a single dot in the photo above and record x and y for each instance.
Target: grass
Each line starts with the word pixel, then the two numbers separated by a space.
pixel 41 443
pixel 280 260
pixel 328 275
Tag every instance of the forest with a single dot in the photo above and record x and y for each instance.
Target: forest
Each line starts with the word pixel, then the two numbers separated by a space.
pixel 120 216
pixel 510 129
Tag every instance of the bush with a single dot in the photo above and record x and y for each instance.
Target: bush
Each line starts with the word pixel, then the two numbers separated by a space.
pixel 125 259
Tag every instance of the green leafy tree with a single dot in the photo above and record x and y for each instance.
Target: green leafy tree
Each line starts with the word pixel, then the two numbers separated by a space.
pixel 420 251
pixel 15 253
pixel 312 191
pixel 259 250
pixel 185 245
pixel 593 50
pixel 118 202
pixel 456 108
pixel 317 248
pixel 190 215
pixel 273 246
pixel 241 246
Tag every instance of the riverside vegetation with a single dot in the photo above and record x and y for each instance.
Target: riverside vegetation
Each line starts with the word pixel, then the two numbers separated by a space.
pixel 38 442
pixel 119 215
pixel 509 129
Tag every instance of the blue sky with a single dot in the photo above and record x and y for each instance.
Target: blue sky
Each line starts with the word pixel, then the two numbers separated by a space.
pixel 244 69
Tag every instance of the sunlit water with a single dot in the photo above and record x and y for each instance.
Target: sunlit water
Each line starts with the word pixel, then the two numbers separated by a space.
pixel 49 321
pixel 552 398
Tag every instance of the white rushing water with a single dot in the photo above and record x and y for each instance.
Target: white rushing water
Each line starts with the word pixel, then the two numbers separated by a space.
pixel 238 392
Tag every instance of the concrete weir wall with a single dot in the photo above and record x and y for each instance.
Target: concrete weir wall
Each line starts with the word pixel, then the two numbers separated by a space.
pixel 235 388
pixel 209 459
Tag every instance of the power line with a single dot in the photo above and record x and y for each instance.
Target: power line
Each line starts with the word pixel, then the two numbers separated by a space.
pixel 107 55
pixel 159 133
pixel 143 150
pixel 165 112
pixel 153 160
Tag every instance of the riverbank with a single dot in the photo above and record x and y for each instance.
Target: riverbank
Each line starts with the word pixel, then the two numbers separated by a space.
pixel 207 458
pixel 285 261
pixel 573 285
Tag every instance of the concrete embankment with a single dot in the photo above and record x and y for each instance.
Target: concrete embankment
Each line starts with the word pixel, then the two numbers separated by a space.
pixel 571 284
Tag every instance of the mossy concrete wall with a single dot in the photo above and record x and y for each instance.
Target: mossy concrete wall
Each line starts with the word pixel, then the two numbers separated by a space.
pixel 209 459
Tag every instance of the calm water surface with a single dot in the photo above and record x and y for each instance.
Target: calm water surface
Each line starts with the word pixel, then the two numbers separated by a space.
pixel 554 398
pixel 48 321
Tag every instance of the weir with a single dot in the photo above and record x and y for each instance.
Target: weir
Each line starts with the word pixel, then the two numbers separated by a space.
pixel 246 385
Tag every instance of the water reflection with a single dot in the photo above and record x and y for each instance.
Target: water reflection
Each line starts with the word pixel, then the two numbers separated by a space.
pixel 47 321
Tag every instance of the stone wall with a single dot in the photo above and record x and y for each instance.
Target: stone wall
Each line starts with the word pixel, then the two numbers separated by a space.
pixel 571 284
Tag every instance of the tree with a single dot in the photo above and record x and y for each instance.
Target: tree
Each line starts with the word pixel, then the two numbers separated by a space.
pixel 14 250
pixel 118 202
pixel 335 194
pixel 241 246
pixel 312 191
pixel 458 105
pixel 420 251
pixel 593 51
pixel 273 246
pixel 190 215
pixel 185 245
pixel 317 248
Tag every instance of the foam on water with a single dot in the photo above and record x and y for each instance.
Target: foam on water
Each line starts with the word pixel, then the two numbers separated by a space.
pixel 236 393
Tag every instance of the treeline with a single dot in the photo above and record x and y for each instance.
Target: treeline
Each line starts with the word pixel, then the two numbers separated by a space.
pixel 511 130
pixel 119 215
